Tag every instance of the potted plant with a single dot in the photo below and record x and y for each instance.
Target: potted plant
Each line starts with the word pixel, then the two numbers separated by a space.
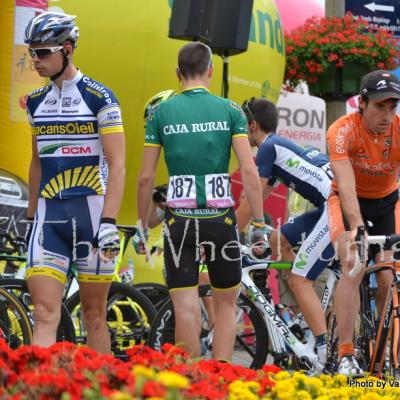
pixel 332 54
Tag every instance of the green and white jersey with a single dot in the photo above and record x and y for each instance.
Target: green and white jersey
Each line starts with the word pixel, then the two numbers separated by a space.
pixel 196 129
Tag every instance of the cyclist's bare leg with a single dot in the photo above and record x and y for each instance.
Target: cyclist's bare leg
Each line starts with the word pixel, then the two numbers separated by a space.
pixel 347 297
pixel 207 300
pixel 225 322
pixel 46 293
pixel 309 303
pixel 280 247
pixel 384 280
pixel 93 298
pixel 187 319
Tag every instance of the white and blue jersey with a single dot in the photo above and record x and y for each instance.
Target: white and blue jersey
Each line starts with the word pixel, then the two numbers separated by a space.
pixel 68 124
pixel 305 170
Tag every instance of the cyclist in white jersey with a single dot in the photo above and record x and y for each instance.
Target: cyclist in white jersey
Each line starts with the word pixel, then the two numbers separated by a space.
pixel 76 181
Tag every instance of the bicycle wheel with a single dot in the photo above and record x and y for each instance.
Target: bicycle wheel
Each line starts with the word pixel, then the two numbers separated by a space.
pixel 19 287
pixel 155 292
pixel 251 346
pixel 363 332
pixel 129 315
pixel 15 326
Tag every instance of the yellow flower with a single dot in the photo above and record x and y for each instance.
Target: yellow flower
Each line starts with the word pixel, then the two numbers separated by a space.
pixel 140 370
pixel 282 375
pixel 122 396
pixel 173 380
pixel 371 396
pixel 303 395
pixel 239 390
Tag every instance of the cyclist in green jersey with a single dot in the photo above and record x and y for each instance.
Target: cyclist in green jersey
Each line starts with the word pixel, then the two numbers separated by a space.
pixel 197 130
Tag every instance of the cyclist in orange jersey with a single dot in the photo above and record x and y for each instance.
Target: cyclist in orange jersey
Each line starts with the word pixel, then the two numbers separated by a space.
pixel 364 150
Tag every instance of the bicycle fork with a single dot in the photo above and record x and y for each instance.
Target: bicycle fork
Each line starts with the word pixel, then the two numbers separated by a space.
pixel 278 330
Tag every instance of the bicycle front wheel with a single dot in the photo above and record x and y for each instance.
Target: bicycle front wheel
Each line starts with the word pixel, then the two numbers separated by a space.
pixel 15 327
pixel 129 315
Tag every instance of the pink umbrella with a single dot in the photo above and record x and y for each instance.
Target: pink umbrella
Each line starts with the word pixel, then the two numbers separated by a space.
pixel 295 12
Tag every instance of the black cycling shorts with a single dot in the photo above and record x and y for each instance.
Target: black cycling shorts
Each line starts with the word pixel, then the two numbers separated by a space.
pixel 381 217
pixel 219 236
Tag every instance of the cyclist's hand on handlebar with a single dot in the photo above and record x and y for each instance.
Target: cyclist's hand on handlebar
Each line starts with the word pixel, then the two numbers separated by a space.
pixel 107 238
pixel 258 237
pixel 139 240
pixel 358 238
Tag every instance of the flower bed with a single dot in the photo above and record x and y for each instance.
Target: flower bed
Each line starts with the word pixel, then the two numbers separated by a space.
pixel 67 372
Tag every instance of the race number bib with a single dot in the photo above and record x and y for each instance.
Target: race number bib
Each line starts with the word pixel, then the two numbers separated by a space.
pixel 182 191
pixel 218 191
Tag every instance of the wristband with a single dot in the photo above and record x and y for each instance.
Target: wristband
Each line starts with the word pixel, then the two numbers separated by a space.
pixel 105 220
pixel 258 224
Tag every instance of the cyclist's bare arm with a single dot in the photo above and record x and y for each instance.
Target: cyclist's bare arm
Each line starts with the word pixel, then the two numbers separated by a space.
pixel 146 181
pixel 344 176
pixel 114 149
pixel 249 175
pixel 35 172
pixel 243 212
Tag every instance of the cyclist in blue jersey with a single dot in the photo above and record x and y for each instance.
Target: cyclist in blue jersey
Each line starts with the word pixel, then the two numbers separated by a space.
pixel 306 171
pixel 76 181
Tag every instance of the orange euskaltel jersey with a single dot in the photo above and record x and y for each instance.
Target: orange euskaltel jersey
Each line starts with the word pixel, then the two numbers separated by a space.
pixel 375 158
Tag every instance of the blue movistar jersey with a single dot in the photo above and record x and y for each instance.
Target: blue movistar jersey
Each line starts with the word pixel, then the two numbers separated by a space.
pixel 68 124
pixel 305 170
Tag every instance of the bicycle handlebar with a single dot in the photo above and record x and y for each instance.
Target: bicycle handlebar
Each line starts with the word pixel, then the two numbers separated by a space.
pixel 387 242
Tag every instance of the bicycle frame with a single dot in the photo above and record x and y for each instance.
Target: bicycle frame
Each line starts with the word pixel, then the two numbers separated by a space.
pixel 279 331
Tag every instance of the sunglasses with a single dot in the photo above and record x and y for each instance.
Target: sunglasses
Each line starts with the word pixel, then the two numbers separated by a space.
pixel 247 110
pixel 43 51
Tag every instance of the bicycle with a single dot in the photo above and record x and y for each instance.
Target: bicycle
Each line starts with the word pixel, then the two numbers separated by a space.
pixel 259 321
pixel 15 327
pixel 371 335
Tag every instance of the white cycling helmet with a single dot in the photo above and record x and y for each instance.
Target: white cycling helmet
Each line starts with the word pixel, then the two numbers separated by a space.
pixel 51 27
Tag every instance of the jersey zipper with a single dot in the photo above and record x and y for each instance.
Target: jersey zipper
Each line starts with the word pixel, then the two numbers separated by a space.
pixel 58 139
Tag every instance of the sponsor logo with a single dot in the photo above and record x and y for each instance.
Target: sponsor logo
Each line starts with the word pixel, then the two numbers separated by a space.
pixel 9 188
pixel 66 101
pixel 302 261
pixel 196 128
pixel 43 111
pixel 97 90
pixel 50 102
pixel 113 115
pixel 76 101
pixel 293 163
pixel 47 36
pixel 66 148
pixel 69 129
pixel 340 138
pixel 381 84
pixel 317 239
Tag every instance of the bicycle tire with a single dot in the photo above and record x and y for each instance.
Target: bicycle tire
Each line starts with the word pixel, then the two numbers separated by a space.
pixel 163 331
pixel 137 315
pixel 19 287
pixel 363 332
pixel 155 292
pixel 19 316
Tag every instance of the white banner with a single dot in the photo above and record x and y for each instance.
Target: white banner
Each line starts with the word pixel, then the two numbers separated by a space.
pixel 302 118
